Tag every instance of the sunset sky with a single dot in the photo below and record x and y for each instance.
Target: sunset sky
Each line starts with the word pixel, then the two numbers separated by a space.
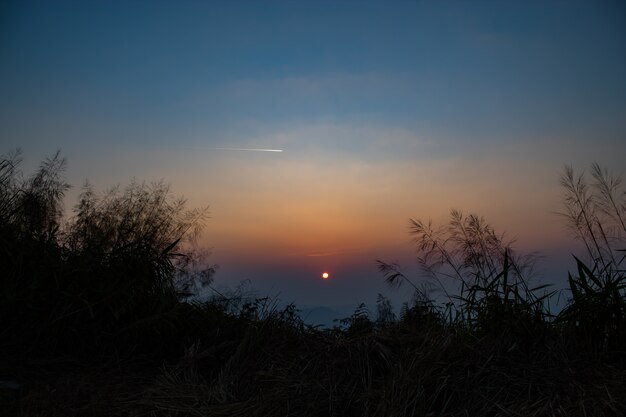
pixel 384 111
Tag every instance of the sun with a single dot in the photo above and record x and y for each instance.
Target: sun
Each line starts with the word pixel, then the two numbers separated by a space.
pixel 325 275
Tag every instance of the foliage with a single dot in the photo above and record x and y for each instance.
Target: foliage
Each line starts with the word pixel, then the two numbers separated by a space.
pixel 96 319
pixel 31 257
pixel 493 288
pixel 32 208
pixel 384 311
pixel 143 228
pixel 359 323
pixel 596 213
pixel 273 366
pixel 115 270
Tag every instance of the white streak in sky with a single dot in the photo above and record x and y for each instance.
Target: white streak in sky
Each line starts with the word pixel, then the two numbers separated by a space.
pixel 247 149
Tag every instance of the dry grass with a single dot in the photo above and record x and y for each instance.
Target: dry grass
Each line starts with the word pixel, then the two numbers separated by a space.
pixel 277 370
pixel 92 322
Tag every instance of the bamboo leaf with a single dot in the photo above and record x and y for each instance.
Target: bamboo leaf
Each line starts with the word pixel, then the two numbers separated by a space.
pixel 584 270
pixel 170 247
pixel 573 285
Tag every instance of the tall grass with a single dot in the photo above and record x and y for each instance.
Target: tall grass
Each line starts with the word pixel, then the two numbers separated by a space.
pixel 96 319
pixel 596 213
pixel 115 270
pixel 487 286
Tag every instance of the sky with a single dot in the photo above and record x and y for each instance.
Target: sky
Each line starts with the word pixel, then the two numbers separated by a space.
pixel 384 111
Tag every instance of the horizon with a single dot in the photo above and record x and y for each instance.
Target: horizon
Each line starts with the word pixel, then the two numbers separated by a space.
pixel 381 113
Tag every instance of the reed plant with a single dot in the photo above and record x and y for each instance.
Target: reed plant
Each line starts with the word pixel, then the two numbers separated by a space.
pixel 486 285
pixel 96 319
pixel 115 270
pixel 595 211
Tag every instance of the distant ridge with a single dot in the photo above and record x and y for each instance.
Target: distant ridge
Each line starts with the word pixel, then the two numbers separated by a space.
pixel 323 316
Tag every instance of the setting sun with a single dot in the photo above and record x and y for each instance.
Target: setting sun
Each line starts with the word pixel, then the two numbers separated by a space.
pixel 325 275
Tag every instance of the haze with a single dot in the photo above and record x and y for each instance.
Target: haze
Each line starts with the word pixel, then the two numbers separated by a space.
pixel 383 110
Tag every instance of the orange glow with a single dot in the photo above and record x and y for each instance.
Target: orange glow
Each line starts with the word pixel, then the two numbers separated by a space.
pixel 343 213
pixel 325 275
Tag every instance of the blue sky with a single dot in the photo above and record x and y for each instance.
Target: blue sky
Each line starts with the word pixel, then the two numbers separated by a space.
pixel 387 109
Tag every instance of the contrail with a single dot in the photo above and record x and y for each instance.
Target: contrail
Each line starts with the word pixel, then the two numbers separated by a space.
pixel 247 149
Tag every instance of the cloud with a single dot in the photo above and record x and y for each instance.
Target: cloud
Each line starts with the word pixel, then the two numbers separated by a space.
pixel 351 141
pixel 265 101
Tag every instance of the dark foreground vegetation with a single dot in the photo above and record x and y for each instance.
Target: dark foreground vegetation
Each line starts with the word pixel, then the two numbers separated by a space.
pixel 96 319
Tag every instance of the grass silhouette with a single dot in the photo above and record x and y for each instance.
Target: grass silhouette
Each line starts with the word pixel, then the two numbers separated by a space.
pixel 96 319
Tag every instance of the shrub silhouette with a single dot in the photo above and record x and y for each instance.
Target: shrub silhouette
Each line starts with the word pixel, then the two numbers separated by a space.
pixel 113 271
pixel 31 257
pixel 596 213
pixel 95 319
pixel 492 295
pixel 31 209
